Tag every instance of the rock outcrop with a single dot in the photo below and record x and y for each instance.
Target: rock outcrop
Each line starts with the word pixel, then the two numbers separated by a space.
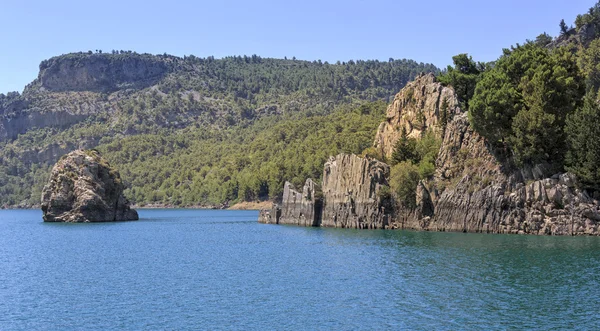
pixel 301 208
pixel 84 188
pixel 476 188
pixel 421 105
pixel 350 197
pixel 351 187
pixel 100 72
pixel 479 193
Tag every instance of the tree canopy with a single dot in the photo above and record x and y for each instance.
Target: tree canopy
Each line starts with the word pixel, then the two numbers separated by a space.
pixel 525 99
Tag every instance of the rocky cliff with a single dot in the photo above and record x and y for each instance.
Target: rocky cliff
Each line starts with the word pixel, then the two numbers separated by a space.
pixel 101 72
pixel 476 192
pixel 424 104
pixel 301 208
pixel 351 187
pixel 350 197
pixel 476 188
pixel 84 188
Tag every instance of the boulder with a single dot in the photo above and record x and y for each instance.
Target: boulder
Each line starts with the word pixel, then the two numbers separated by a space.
pixel 83 187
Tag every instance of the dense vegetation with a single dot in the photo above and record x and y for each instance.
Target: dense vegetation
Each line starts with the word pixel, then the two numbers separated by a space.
pixel 210 131
pixel 525 99
pixel 239 164
pixel 530 102
pixel 412 161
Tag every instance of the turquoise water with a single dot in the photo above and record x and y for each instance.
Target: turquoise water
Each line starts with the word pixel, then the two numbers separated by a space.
pixel 195 269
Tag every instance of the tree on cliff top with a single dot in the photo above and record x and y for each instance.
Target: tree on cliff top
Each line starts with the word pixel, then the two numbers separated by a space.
pixel 524 101
pixel 462 77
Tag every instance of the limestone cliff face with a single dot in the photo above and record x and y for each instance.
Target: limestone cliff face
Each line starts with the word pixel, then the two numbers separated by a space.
pixel 301 208
pixel 84 188
pixel 350 197
pixel 351 187
pixel 100 72
pixel 479 193
pixel 475 188
pixel 417 108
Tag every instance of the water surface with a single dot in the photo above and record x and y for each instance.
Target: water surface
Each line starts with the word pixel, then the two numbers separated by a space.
pixel 199 269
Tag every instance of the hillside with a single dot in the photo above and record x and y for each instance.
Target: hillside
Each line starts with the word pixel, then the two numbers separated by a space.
pixel 506 147
pixel 192 131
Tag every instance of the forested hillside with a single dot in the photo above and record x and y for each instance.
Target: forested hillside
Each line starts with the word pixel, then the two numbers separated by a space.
pixel 193 131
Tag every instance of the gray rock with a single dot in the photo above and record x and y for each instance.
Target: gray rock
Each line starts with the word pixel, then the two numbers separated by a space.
pixel 351 187
pixel 417 108
pixel 301 208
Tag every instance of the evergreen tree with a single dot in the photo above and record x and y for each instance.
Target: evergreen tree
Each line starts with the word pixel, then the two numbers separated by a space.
pixel 564 29
pixel 462 77
pixel 583 132
pixel 405 149
pixel 444 115
pixel 524 102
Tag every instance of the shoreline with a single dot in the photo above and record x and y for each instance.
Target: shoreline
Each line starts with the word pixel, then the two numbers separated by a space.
pixel 238 206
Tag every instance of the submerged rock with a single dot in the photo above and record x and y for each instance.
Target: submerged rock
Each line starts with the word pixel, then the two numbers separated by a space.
pixel 83 187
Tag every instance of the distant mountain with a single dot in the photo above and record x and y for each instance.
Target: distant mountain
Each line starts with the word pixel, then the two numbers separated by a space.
pixel 145 110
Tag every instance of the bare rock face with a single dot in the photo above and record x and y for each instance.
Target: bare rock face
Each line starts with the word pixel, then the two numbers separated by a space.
pixel 475 188
pixel 479 194
pixel 84 188
pixel 418 107
pixel 351 187
pixel 100 72
pixel 301 208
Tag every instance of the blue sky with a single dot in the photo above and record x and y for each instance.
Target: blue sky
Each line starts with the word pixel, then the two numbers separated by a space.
pixel 426 31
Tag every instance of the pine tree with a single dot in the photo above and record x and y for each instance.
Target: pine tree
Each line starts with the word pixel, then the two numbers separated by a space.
pixel 405 149
pixel 444 115
pixel 583 131
pixel 564 29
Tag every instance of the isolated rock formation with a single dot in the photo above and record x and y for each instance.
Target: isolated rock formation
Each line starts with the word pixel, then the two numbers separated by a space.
pixel 423 104
pixel 84 188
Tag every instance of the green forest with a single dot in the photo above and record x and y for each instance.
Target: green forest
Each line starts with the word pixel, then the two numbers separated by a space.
pixel 211 131
pixel 219 131
pixel 538 103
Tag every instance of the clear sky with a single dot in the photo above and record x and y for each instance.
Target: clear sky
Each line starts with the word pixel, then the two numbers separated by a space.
pixel 426 31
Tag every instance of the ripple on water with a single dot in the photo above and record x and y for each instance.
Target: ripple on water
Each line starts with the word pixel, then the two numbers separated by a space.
pixel 199 269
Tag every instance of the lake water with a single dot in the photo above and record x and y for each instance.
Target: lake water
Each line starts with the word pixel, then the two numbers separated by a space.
pixel 198 269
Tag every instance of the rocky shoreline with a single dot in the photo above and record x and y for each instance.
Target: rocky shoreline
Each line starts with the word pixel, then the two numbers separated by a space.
pixel 473 189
